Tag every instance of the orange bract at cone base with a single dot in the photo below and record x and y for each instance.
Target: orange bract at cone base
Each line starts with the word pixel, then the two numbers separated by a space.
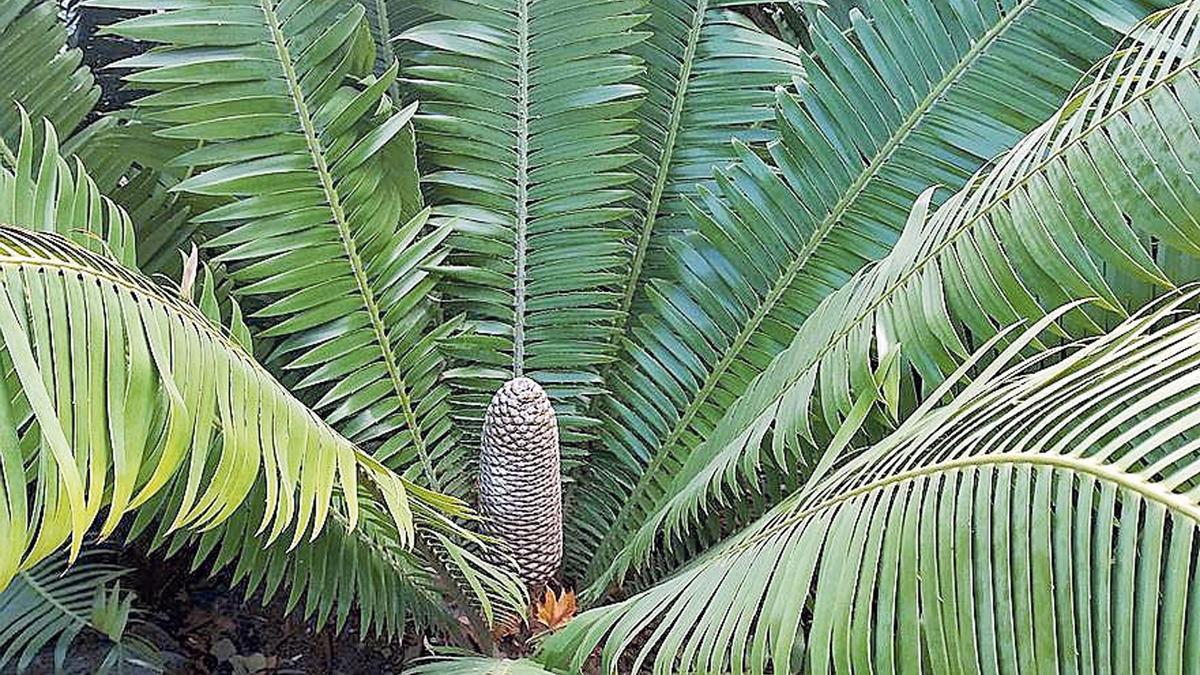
pixel 555 610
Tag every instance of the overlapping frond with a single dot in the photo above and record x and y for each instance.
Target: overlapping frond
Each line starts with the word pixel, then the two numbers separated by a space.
pixel 710 78
pixel 40 73
pixel 919 93
pixel 1094 197
pixel 52 603
pixel 44 192
pixel 1045 518
pixel 324 225
pixel 526 120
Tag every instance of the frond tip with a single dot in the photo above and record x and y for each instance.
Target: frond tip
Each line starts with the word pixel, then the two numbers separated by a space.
pixel 116 386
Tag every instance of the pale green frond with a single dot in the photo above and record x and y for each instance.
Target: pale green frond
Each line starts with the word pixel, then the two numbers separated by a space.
pixel 41 74
pixel 526 122
pixel 477 665
pixel 367 566
pixel 52 603
pixel 1046 517
pixel 115 387
pixel 918 93
pixel 323 226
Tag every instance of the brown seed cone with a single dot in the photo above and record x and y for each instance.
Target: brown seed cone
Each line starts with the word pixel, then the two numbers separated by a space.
pixel 520 485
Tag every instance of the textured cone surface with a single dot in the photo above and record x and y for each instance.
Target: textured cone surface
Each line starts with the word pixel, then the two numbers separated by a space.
pixel 520 487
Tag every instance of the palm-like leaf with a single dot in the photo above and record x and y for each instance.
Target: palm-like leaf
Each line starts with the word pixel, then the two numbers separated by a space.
pixel 54 603
pixel 327 226
pixel 710 77
pixel 41 74
pixel 919 94
pixel 130 405
pixel 526 114
pixel 1094 188
pixel 1044 516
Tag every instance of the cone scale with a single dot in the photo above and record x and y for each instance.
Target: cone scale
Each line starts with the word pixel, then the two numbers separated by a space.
pixel 520 484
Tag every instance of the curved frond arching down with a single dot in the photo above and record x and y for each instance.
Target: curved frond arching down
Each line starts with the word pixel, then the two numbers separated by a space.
pixel 916 94
pixel 52 603
pixel 366 566
pixel 113 387
pixel 1047 515
pixel 323 224
pixel 526 121
pixel 41 75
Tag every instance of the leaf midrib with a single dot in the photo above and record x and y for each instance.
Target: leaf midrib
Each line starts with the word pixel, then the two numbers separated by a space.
pixel 49 597
pixel 521 234
pixel 665 162
pixel 1148 490
pixel 969 224
pixel 333 199
pixel 832 218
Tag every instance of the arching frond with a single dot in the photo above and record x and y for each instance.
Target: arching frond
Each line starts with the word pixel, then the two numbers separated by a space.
pixel 1046 515
pixel 324 223
pixel 526 121
pixel 368 565
pixel 52 603
pixel 41 74
pixel 919 93
pixel 117 386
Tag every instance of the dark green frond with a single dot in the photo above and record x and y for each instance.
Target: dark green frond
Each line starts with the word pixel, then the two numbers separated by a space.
pixel 710 78
pixel 50 604
pixel 41 74
pixel 323 227
pixel 922 93
pixel 526 122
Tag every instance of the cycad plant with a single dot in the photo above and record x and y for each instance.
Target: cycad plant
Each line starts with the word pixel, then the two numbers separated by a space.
pixel 863 346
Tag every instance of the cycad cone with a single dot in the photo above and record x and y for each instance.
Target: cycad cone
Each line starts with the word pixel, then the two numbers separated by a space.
pixel 520 487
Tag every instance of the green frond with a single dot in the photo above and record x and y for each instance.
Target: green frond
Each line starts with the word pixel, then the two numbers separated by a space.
pixel 920 94
pixel 41 75
pixel 323 226
pixel 1046 516
pixel 388 19
pixel 710 77
pixel 526 122
pixel 53 602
